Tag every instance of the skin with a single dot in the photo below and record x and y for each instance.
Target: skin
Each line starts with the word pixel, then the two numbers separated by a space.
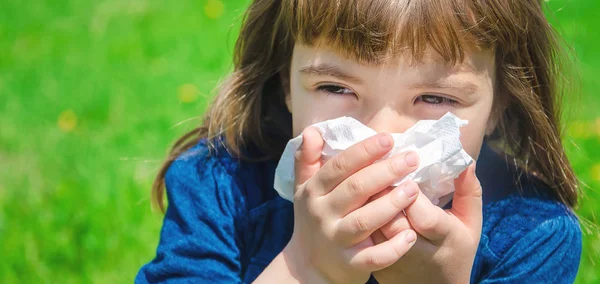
pixel 349 222
pixel 390 98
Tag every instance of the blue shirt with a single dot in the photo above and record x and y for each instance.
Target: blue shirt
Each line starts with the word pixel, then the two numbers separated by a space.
pixel 225 223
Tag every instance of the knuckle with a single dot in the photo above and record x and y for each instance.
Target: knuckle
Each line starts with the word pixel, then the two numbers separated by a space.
pixel 373 261
pixel 394 166
pixel 356 186
pixel 360 224
pixel 340 232
pixel 370 151
pixel 396 226
pixel 478 192
pixel 301 191
pixel 298 195
pixel 400 251
pixel 339 164
pixel 331 232
pixel 314 211
pixel 320 219
pixel 310 188
pixel 428 224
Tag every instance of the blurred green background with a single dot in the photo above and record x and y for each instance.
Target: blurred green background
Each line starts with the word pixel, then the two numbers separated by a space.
pixel 92 93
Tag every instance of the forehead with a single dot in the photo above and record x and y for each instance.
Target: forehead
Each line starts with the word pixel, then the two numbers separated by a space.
pixel 475 60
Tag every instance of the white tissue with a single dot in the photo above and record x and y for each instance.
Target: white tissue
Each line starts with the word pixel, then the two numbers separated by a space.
pixel 441 156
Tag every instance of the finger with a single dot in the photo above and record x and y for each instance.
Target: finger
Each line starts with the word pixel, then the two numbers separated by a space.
pixel 356 190
pixel 368 257
pixel 351 160
pixel 378 237
pixel 467 201
pixel 428 220
pixel 380 194
pixel 308 156
pixel 421 248
pixel 398 224
pixel 361 223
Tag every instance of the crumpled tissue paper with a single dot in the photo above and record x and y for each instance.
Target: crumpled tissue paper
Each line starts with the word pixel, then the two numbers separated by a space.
pixel 441 156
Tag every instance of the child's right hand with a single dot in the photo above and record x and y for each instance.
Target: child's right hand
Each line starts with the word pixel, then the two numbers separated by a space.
pixel 332 213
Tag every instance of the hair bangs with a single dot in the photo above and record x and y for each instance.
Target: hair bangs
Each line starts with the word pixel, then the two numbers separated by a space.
pixel 371 31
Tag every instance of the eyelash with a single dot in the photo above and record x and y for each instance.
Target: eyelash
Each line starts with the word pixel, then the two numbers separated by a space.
pixel 442 100
pixel 329 89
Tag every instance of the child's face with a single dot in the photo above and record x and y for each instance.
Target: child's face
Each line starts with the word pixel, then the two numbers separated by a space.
pixel 393 96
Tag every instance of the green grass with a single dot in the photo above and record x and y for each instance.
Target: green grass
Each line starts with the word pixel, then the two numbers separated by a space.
pixel 93 92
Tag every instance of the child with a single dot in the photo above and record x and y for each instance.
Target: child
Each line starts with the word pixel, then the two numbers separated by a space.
pixel 387 64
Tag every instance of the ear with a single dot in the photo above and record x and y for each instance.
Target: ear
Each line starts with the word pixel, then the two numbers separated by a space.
pixel 500 104
pixel 284 78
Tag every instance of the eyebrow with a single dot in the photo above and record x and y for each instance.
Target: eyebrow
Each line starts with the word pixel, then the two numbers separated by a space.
pixel 465 86
pixel 331 71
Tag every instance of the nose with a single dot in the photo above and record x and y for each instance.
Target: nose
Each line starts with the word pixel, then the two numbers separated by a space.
pixel 388 120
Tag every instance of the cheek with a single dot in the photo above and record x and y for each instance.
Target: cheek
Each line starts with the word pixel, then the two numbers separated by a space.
pixel 471 137
pixel 472 134
pixel 309 108
pixel 309 112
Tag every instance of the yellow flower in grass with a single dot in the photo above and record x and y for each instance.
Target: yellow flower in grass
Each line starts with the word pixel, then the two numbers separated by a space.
pixel 67 120
pixel 213 9
pixel 187 93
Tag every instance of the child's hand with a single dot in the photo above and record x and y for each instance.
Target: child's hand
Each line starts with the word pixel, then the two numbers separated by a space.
pixel 447 240
pixel 331 240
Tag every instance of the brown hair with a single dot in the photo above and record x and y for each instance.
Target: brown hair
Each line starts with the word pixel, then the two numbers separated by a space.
pixel 250 107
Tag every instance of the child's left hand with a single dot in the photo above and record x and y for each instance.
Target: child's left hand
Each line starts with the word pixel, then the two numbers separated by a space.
pixel 447 240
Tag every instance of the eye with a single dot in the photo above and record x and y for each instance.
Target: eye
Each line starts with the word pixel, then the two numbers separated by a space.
pixel 436 100
pixel 335 90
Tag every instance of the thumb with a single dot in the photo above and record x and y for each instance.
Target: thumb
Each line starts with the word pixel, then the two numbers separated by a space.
pixel 467 200
pixel 307 159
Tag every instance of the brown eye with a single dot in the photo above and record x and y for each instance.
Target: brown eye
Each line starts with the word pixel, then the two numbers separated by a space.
pixel 432 99
pixel 436 100
pixel 335 90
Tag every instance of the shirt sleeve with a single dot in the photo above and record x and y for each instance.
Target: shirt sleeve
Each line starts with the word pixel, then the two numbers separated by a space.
pixel 200 240
pixel 550 253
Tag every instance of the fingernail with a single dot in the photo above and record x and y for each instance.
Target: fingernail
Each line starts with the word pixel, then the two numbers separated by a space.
pixel 410 236
pixel 412 159
pixel 409 191
pixel 384 140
